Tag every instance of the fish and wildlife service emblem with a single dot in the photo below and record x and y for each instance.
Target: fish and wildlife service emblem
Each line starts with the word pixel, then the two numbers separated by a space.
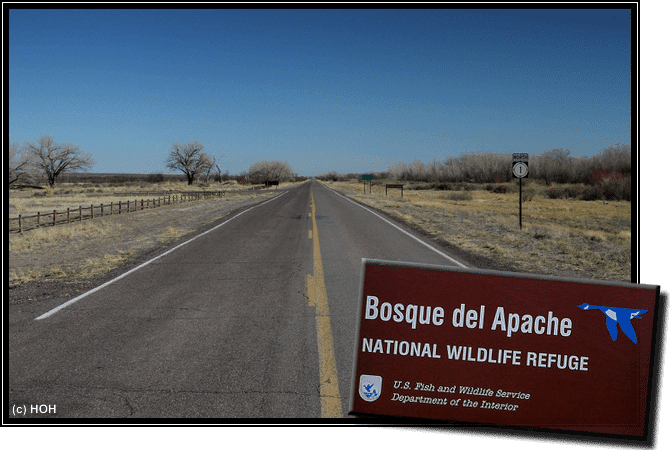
pixel 370 387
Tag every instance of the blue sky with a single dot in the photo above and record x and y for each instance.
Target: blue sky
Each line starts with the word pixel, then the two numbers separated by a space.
pixel 349 91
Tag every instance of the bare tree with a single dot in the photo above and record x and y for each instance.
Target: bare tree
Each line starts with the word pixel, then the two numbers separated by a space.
pixel 218 169
pixel 53 159
pixel 267 171
pixel 20 167
pixel 219 176
pixel 615 158
pixel 189 159
pixel 207 163
pixel 554 165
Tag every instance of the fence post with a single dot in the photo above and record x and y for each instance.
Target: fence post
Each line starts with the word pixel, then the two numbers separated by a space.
pixel 135 205
pixel 102 210
pixel 80 213
pixel 38 219
pixel 141 204
pixel 68 215
pixel 92 212
pixel 20 224
pixel 54 218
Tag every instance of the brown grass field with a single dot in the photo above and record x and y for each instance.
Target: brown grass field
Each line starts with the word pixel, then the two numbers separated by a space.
pixel 72 195
pixel 560 237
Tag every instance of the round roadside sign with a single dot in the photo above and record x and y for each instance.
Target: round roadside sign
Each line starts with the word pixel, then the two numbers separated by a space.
pixel 520 170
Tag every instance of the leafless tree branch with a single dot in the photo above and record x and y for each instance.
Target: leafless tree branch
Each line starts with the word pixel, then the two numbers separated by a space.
pixel 189 159
pixel 53 159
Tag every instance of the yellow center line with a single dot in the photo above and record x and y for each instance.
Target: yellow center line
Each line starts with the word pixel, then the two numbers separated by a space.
pixel 331 405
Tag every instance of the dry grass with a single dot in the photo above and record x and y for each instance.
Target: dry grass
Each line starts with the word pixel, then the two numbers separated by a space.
pixel 34 240
pixel 73 195
pixel 563 237
pixel 31 205
pixel 79 251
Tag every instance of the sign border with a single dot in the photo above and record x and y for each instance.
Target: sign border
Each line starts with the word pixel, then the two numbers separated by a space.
pixel 520 157
pixel 651 414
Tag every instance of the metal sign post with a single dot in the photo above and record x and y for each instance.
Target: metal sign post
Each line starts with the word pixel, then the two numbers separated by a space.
pixel 520 203
pixel 364 177
pixel 520 170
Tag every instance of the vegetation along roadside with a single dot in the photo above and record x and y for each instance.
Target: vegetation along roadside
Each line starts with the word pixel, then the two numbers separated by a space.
pixel 561 236
pixel 51 258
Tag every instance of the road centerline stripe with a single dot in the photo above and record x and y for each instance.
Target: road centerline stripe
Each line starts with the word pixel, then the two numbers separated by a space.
pixel 85 294
pixel 331 406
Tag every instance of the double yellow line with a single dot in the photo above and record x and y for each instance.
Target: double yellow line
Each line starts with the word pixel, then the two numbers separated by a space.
pixel 331 405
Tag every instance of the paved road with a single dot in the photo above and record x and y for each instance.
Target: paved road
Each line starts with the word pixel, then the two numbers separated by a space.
pixel 255 319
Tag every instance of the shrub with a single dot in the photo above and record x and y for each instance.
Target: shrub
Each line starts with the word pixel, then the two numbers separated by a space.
pixel 573 192
pixel 501 189
pixel 554 193
pixel 615 188
pixel 155 178
pixel 599 177
pixel 527 194
pixel 460 196
pixel 612 188
pixel 433 186
pixel 441 186
pixel 592 193
pixel 565 192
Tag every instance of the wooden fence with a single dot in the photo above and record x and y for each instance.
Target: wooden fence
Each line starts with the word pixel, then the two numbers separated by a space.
pixel 52 218
pixel 166 193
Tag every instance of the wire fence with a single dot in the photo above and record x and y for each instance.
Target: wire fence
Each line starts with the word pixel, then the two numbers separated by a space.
pixel 52 218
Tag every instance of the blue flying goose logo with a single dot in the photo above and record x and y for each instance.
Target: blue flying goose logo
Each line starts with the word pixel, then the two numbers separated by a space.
pixel 622 316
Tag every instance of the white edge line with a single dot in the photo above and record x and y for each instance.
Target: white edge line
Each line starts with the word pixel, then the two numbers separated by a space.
pixel 69 302
pixel 397 227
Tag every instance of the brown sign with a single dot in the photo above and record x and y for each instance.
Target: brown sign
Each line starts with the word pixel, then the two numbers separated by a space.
pixel 485 347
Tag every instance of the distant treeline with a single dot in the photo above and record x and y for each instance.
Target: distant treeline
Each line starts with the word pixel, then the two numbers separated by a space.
pixel 117 178
pixel 553 166
pixel 121 178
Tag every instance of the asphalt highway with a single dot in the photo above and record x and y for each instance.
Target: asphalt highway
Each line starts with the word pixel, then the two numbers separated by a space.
pixel 253 320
